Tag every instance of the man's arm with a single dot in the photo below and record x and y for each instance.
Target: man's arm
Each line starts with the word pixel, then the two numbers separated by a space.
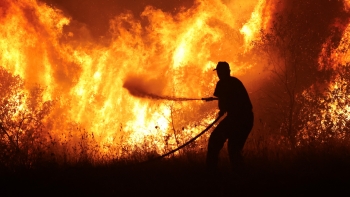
pixel 219 93
pixel 222 110
pixel 222 104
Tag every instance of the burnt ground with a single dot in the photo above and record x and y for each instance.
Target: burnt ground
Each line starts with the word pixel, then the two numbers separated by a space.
pixel 176 177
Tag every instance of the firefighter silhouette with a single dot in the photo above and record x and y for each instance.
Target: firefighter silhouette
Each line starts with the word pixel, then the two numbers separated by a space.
pixel 234 101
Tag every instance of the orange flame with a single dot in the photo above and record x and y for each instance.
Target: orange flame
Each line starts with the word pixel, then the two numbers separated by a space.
pixel 174 55
pixel 257 22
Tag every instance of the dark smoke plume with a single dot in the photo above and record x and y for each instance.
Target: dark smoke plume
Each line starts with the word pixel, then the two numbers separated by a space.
pixel 303 27
pixel 97 14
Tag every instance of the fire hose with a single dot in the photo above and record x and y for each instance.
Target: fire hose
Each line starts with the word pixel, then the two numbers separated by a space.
pixel 191 140
pixel 185 144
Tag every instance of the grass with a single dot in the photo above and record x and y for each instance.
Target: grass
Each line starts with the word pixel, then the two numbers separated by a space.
pixel 303 171
pixel 273 168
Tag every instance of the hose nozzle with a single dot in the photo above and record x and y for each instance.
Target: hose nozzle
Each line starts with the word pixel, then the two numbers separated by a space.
pixel 209 99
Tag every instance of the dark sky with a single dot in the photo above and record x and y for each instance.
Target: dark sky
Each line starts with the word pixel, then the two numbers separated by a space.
pixel 96 14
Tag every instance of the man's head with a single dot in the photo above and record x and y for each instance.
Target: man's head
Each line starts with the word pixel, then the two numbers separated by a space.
pixel 223 70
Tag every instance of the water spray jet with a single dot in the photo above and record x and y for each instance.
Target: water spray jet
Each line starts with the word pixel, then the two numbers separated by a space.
pixel 140 92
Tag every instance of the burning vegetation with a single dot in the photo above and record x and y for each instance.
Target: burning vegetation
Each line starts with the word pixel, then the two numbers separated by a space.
pixel 74 89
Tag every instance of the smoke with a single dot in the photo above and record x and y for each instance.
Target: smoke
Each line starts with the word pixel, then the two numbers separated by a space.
pixel 299 34
pixel 97 14
pixel 300 30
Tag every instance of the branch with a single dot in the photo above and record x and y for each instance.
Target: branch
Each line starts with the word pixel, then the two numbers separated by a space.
pixel 11 140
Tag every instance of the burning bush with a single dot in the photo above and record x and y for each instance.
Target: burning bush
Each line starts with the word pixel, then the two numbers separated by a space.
pixel 23 136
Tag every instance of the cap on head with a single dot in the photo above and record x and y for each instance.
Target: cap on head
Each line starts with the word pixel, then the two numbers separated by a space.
pixel 222 66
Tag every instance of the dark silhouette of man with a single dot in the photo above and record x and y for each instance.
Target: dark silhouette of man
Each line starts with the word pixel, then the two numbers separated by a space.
pixel 233 99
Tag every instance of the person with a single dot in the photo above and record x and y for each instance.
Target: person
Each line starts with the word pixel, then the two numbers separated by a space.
pixel 234 101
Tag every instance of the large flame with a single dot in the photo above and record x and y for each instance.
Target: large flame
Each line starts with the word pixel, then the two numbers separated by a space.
pixel 173 55
pixel 163 53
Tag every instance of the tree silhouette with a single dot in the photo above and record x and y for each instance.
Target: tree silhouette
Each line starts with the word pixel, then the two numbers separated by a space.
pixel 292 45
pixel 22 132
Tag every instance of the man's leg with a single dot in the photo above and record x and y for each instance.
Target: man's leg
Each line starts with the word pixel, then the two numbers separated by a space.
pixel 235 146
pixel 216 142
pixel 237 139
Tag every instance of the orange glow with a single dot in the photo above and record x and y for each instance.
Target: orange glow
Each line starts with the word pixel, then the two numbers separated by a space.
pixel 347 4
pixel 257 22
pixel 85 78
pixel 335 113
